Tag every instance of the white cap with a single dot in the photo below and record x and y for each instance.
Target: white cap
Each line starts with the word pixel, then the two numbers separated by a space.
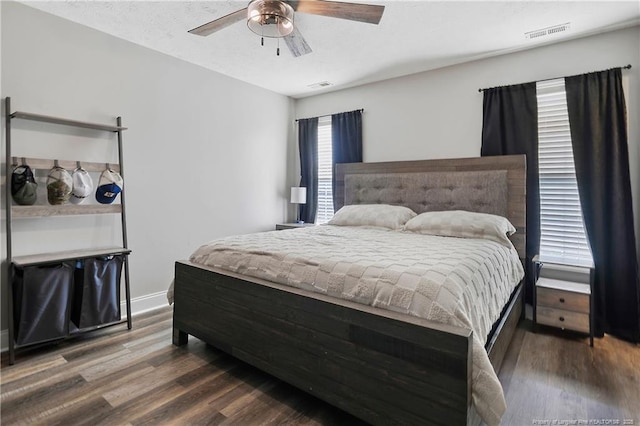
pixel 82 186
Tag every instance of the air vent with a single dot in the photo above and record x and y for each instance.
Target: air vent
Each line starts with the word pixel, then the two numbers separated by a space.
pixel 320 85
pixel 547 31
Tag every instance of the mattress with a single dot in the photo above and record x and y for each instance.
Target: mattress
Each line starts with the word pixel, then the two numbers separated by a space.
pixel 463 282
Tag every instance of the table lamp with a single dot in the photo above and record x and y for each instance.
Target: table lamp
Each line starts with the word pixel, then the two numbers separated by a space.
pixel 298 196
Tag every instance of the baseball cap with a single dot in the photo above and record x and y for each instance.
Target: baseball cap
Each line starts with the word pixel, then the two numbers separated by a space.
pixel 59 184
pixel 82 186
pixel 109 186
pixel 23 186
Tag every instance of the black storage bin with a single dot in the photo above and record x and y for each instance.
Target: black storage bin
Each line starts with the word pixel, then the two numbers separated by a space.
pixel 42 302
pixel 96 298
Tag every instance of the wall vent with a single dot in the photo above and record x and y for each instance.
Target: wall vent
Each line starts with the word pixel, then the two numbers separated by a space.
pixel 320 85
pixel 548 31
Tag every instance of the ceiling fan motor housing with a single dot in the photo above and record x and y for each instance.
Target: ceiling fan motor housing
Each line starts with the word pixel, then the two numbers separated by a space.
pixel 270 18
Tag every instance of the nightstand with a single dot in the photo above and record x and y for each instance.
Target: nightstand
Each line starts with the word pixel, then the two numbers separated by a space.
pixel 292 225
pixel 564 304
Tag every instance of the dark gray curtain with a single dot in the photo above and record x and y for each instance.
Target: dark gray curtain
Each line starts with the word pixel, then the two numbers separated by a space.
pixel 598 121
pixel 346 140
pixel 509 127
pixel 308 147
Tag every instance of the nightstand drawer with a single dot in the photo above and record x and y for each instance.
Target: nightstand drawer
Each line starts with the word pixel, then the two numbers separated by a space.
pixel 563 319
pixel 565 300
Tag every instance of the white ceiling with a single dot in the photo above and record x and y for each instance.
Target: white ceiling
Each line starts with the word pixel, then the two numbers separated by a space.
pixel 412 36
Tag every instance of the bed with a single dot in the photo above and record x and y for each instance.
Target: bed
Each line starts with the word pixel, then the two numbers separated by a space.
pixel 383 366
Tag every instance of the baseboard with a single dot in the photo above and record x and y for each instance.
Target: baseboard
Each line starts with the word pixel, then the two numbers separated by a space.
pixel 139 305
pixel 146 303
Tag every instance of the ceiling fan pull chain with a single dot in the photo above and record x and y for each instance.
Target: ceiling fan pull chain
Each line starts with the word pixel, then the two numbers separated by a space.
pixel 278 48
pixel 261 41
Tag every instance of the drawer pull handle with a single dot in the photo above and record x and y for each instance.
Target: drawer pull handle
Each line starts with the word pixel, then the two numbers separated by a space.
pixel 562 300
pixel 561 319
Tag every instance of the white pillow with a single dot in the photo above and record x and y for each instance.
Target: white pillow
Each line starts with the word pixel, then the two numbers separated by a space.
pixel 460 223
pixel 382 215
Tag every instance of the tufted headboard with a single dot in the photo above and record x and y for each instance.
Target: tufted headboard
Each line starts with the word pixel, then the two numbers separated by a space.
pixel 482 191
pixel 493 185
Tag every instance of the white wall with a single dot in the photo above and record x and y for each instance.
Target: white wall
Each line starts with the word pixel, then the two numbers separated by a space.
pixel 205 155
pixel 438 114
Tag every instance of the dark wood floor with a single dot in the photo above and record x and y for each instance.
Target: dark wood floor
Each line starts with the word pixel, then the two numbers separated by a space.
pixel 555 375
pixel 116 376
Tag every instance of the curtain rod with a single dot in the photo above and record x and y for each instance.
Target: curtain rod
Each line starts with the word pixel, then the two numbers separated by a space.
pixel 626 67
pixel 326 115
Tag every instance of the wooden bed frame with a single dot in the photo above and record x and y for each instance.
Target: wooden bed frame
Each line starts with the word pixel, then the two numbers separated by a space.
pixel 381 366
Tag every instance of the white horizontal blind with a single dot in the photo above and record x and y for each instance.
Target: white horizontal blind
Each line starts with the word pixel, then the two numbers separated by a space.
pixel 563 239
pixel 325 160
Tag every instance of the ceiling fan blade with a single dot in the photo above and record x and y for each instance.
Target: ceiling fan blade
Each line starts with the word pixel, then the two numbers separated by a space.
pixel 368 13
pixel 220 23
pixel 296 43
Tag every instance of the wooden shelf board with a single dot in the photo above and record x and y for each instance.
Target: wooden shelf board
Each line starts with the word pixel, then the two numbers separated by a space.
pixel 66 122
pixel 44 258
pixel 63 210
pixel 46 164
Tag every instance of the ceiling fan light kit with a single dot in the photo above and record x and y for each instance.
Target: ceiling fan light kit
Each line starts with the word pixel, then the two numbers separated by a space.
pixel 270 18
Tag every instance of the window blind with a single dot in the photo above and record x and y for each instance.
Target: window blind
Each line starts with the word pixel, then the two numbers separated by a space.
pixel 563 238
pixel 325 160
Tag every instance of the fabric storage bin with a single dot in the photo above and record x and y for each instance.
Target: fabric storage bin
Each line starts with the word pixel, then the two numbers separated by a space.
pixel 97 291
pixel 42 302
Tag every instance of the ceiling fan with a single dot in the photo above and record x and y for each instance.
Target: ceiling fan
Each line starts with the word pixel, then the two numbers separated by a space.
pixel 274 19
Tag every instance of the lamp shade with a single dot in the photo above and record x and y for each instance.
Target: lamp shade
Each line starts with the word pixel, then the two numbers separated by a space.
pixel 298 195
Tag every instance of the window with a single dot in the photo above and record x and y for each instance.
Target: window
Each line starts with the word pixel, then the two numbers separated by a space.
pixel 325 160
pixel 563 239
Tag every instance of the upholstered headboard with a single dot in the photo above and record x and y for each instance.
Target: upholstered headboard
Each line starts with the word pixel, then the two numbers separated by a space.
pixel 493 185
pixel 483 191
